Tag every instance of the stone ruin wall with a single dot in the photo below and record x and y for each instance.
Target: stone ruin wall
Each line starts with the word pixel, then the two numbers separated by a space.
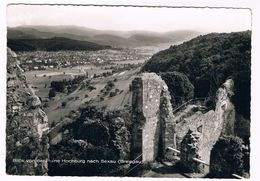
pixel 213 124
pixel 152 116
pixel 26 125
pixel 153 119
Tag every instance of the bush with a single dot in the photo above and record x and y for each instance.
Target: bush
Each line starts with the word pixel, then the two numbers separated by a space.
pixel 112 94
pixel 110 84
pixel 181 89
pixel 91 88
pixel 226 157
pixel 63 104
pixel 45 105
pixel 52 93
pixel 210 103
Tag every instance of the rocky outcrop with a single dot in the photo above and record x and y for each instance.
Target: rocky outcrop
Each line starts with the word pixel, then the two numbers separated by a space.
pixel 152 117
pixel 27 125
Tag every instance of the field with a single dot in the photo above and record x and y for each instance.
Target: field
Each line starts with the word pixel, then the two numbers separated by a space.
pixel 122 66
pixel 41 79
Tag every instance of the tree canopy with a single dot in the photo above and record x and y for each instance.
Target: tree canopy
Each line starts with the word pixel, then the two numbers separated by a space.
pixel 226 157
pixel 208 61
pixel 181 89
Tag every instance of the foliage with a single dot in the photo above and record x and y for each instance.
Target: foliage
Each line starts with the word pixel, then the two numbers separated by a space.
pixel 52 93
pixel 67 151
pixel 226 157
pixel 70 85
pixel 112 94
pixel 96 136
pixel 120 137
pixel 52 44
pixel 208 61
pixel 58 86
pixel 181 89
pixel 110 84
pixel 63 104
pixel 96 133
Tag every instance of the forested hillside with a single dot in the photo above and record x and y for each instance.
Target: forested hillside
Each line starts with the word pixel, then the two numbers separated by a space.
pixel 208 61
pixel 52 44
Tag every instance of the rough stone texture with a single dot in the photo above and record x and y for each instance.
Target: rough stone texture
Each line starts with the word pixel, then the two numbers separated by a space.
pixel 211 125
pixel 189 147
pixel 152 116
pixel 26 127
pixel 167 123
pixel 35 102
pixel 225 109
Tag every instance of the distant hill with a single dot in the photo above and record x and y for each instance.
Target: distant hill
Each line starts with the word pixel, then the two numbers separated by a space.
pixel 104 37
pixel 208 61
pixel 52 44
pixel 112 40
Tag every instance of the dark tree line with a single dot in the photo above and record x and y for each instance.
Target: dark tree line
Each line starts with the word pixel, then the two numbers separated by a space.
pixel 65 85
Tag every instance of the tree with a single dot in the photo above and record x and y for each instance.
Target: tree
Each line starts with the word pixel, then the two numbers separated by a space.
pixel 112 94
pixel 226 157
pixel 52 93
pixel 181 89
pixel 58 86
pixel 63 104
pixel 110 84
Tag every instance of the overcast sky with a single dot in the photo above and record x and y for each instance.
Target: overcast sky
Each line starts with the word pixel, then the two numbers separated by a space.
pixel 129 18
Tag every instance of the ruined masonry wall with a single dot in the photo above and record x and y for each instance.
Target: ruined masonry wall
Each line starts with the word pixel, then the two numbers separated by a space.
pixel 152 113
pixel 212 124
pixel 151 102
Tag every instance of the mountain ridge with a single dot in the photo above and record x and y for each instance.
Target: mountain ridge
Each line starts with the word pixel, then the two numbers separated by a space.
pixel 117 38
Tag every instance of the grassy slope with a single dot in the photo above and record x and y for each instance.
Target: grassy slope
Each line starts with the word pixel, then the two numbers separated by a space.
pixel 54 111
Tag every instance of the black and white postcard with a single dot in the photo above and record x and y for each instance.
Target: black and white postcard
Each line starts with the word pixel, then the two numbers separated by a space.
pixel 128 90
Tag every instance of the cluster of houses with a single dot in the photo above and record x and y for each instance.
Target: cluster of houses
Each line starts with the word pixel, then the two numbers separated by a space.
pixel 42 60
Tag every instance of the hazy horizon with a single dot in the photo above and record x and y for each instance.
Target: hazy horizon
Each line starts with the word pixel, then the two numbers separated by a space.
pixel 130 18
pixel 115 30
